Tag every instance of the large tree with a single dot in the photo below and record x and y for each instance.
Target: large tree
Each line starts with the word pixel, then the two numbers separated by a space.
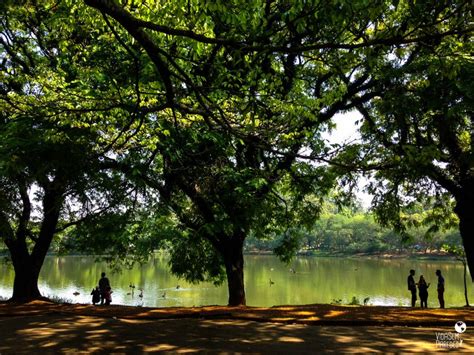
pixel 422 131
pixel 58 124
pixel 252 86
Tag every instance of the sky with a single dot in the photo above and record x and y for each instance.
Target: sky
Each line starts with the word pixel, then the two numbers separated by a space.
pixel 346 130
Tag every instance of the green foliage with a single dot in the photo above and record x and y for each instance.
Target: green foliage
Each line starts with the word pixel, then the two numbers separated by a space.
pixel 288 245
pixel 456 250
pixel 252 86
pixel 195 260
pixel 423 125
pixel 419 134
pixel 59 127
pixel 347 232
pixel 194 123
pixel 122 239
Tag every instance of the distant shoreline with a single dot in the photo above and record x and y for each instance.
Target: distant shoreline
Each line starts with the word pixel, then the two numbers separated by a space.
pixel 384 255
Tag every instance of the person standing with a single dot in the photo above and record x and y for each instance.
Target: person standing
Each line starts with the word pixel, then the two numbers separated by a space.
pixel 104 284
pixel 423 291
pixel 440 288
pixel 412 287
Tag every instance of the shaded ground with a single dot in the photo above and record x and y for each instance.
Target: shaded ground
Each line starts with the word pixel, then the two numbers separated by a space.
pixel 297 329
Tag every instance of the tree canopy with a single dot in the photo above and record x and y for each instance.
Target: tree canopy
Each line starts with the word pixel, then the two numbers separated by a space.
pixel 421 131
pixel 208 116
pixel 59 125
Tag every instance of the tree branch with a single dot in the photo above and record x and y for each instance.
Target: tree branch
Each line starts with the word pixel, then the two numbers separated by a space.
pixel 111 7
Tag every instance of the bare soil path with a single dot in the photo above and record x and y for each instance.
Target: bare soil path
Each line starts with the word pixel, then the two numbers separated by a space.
pixel 46 327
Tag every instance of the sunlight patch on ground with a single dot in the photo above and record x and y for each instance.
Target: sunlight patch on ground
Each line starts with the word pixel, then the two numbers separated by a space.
pixel 281 319
pixel 227 322
pixel 134 321
pixel 334 313
pixel 417 345
pixel 303 313
pixel 162 347
pixel 86 320
pixel 38 333
pixel 288 339
pixel 345 339
pixel 98 331
pixel 285 308
pixel 362 349
pixel 49 344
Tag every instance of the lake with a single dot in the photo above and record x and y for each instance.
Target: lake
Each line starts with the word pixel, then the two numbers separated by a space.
pixel 306 280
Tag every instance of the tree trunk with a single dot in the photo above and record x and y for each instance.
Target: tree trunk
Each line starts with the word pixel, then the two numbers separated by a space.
pixel 25 285
pixel 465 211
pixel 234 266
pixel 27 265
pixel 27 269
pixel 465 283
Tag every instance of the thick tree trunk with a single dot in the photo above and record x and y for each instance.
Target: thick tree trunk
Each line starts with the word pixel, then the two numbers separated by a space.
pixel 25 285
pixel 465 211
pixel 465 283
pixel 28 265
pixel 27 268
pixel 234 266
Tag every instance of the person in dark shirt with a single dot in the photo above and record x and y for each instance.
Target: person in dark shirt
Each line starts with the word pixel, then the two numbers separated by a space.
pixel 103 285
pixel 423 291
pixel 440 288
pixel 412 287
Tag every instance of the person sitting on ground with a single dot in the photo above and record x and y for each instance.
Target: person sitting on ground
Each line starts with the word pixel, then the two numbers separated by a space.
pixel 95 295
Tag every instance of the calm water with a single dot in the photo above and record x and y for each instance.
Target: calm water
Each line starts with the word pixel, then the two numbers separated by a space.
pixel 314 280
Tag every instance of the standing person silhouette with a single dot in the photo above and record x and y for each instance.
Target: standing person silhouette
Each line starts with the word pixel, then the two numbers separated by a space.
pixel 104 284
pixel 423 291
pixel 412 287
pixel 440 288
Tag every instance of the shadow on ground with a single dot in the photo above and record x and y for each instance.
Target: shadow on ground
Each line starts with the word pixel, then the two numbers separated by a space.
pixel 73 333
pixel 40 326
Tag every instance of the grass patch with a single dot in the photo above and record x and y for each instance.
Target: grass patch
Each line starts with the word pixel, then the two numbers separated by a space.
pixel 60 300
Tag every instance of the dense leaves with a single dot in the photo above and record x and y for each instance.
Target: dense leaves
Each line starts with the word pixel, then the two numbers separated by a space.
pixel 202 118
pixel 421 131
pixel 58 126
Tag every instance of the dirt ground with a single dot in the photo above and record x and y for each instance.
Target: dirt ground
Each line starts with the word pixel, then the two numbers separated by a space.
pixel 48 327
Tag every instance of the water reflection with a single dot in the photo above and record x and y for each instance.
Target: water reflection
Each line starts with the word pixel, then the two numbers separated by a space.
pixel 268 282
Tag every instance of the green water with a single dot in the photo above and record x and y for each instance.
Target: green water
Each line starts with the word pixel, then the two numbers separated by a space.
pixel 314 280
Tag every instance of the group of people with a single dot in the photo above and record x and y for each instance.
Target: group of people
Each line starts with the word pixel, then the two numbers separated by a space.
pixel 423 289
pixel 103 292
